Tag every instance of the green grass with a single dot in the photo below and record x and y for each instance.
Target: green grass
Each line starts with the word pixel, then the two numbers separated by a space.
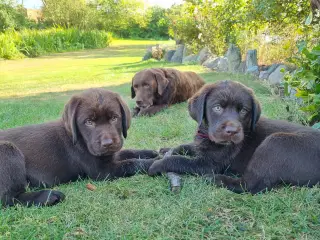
pixel 141 207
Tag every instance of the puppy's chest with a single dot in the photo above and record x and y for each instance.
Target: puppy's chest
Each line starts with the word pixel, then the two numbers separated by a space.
pixel 218 153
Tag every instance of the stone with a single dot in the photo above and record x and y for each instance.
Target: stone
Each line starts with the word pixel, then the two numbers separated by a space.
pixel 253 70
pixel 177 56
pixel 186 52
pixel 223 65
pixel 234 58
pixel 272 68
pixel 190 59
pixel 242 67
pixel 203 55
pixel 168 55
pixel 276 77
pixel 148 54
pixel 263 75
pixel 210 62
pixel 219 64
pixel 251 59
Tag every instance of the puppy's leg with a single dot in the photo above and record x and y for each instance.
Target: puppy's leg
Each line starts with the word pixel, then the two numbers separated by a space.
pixel 185 149
pixel 12 173
pixel 135 111
pixel 179 164
pixel 131 154
pixel 40 198
pixel 127 168
pixel 281 158
pixel 13 181
pixel 151 110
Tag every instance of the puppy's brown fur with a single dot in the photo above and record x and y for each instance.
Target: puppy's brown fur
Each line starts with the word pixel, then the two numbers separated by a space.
pixel 156 88
pixel 233 138
pixel 86 142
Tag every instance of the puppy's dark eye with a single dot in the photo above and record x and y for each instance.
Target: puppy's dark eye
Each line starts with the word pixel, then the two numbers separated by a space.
pixel 217 108
pixel 243 111
pixel 114 119
pixel 89 122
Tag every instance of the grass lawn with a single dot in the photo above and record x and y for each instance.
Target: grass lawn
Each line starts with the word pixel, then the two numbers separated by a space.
pixel 141 207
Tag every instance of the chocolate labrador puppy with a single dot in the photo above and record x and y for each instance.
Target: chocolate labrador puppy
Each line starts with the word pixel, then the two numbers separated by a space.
pixel 156 88
pixel 232 136
pixel 86 142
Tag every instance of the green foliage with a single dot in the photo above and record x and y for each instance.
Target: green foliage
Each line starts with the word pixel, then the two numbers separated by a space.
pixel 155 26
pixel 183 24
pixel 33 43
pixel 13 17
pixel 125 18
pixel 245 23
pixel 306 80
pixel 70 13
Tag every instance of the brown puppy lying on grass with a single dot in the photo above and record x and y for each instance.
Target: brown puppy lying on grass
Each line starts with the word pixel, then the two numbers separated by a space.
pixel 232 136
pixel 86 142
pixel 156 88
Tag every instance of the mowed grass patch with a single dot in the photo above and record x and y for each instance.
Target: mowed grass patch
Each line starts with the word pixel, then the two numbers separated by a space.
pixel 141 207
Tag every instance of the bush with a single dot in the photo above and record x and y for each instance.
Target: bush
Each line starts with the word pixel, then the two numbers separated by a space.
pixel 33 43
pixel 12 17
pixel 306 80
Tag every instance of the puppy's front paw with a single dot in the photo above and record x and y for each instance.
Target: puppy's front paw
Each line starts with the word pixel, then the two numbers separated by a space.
pixel 135 112
pixel 156 168
pixel 163 151
pixel 216 179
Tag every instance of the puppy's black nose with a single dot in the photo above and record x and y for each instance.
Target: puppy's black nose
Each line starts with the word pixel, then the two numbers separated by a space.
pixel 231 130
pixel 139 103
pixel 106 142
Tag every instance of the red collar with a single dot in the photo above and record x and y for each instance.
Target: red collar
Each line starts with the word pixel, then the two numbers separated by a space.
pixel 202 135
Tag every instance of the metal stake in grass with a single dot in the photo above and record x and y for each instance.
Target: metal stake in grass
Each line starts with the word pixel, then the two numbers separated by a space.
pixel 174 178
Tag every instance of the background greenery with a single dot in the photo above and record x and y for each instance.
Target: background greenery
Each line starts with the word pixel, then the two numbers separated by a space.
pixel 35 90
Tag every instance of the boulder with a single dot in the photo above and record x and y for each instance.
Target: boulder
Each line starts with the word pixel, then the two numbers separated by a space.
pixel 242 67
pixel 190 59
pixel 234 58
pixel 168 55
pixel 223 65
pixel 263 75
pixel 148 54
pixel 276 77
pixel 178 55
pixel 251 59
pixel 272 67
pixel 203 55
pixel 186 52
pixel 210 62
pixel 253 70
pixel 219 64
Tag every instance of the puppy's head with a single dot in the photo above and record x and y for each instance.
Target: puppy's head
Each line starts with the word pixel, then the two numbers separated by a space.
pixel 97 117
pixel 228 109
pixel 147 85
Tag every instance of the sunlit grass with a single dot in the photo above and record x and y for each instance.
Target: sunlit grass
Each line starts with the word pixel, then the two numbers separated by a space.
pixel 141 207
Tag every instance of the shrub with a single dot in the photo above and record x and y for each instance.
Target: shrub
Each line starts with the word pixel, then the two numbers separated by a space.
pixel 306 80
pixel 33 43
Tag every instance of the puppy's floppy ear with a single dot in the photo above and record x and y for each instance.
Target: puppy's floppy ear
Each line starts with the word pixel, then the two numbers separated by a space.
pixel 255 113
pixel 69 117
pixel 197 105
pixel 133 93
pixel 125 117
pixel 162 81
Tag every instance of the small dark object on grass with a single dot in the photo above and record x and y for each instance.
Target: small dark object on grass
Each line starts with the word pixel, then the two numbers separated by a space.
pixel 175 179
pixel 175 182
